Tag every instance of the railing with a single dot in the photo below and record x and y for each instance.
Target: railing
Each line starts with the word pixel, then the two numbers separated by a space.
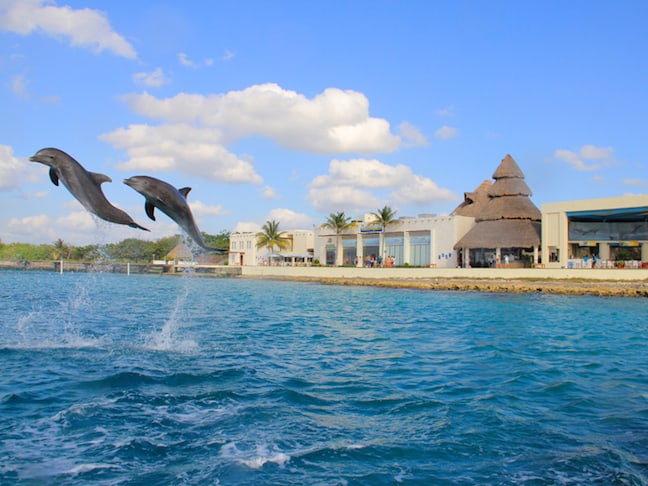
pixel 589 263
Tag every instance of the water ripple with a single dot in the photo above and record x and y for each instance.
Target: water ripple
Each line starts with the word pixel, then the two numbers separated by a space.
pixel 209 381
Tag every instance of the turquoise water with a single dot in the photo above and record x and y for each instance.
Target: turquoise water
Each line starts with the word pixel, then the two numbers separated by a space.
pixel 115 379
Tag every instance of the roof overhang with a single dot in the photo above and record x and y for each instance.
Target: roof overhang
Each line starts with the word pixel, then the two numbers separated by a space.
pixel 610 215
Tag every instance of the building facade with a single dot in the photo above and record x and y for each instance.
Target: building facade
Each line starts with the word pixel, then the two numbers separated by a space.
pixel 244 251
pixel 601 232
pixel 426 240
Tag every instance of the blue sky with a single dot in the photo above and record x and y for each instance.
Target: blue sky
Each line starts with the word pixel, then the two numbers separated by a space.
pixel 291 110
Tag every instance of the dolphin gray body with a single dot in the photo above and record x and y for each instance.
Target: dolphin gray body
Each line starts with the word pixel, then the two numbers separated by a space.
pixel 172 202
pixel 83 185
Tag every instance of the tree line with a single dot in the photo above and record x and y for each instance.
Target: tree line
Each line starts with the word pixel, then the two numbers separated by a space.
pixel 129 250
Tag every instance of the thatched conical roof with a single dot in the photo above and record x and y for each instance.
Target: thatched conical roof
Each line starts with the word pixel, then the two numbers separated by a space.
pixel 508 168
pixel 508 219
pixel 511 233
pixel 509 187
pixel 180 251
pixel 510 207
pixel 474 202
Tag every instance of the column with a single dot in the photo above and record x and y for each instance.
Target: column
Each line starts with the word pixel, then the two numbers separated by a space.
pixel 433 248
pixel 604 250
pixel 359 250
pixel 406 247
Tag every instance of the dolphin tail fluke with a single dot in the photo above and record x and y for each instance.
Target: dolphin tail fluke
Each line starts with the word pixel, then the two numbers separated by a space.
pixel 135 225
pixel 211 249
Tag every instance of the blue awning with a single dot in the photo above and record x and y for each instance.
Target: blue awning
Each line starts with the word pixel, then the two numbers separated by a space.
pixel 610 215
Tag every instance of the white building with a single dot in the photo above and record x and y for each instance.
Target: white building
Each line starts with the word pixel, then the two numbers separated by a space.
pixel 614 230
pixel 426 240
pixel 244 250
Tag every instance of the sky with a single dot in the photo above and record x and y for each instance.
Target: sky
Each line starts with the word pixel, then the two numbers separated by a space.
pixel 293 110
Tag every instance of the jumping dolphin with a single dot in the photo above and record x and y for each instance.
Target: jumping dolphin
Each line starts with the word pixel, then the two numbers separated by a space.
pixel 83 185
pixel 172 202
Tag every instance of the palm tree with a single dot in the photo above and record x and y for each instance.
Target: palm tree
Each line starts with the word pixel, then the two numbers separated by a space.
pixel 271 237
pixel 384 217
pixel 338 222
pixel 61 249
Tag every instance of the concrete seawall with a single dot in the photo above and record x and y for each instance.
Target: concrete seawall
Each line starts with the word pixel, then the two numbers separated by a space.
pixel 613 282
pixel 628 275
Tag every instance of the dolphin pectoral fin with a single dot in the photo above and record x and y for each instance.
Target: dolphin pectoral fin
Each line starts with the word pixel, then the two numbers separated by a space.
pixel 149 207
pixel 184 191
pixel 54 176
pixel 100 178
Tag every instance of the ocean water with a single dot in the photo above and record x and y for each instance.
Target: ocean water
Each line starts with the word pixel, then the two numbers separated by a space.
pixel 114 379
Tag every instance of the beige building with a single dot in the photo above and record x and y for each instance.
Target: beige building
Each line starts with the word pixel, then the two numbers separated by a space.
pixel 244 251
pixel 602 232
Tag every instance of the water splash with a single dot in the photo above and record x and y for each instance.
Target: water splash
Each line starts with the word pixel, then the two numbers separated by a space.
pixel 167 338
pixel 255 458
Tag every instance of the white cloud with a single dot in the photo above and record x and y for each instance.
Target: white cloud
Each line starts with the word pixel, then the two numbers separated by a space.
pixel 369 173
pixel 183 58
pixel 247 227
pixel 83 27
pixel 19 85
pixel 182 148
pixel 446 132
pixel 289 219
pixel 35 195
pixel 635 182
pixel 77 221
pixel 342 198
pixel 195 129
pixel 588 158
pixel 269 192
pixel 154 79
pixel 199 208
pixel 38 228
pixel 12 170
pixel 421 190
pixel 79 227
pixel 591 152
pixel 446 111
pixel 334 121
pixel 412 135
pixel 351 185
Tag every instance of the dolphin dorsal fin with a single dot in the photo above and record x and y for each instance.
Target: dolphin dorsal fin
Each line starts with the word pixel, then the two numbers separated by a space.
pixel 54 176
pixel 184 191
pixel 100 178
pixel 149 207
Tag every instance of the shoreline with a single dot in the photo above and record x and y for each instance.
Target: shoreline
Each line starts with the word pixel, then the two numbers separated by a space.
pixel 597 282
pixel 599 288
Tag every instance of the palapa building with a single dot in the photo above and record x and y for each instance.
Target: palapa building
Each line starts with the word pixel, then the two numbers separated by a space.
pixel 507 223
